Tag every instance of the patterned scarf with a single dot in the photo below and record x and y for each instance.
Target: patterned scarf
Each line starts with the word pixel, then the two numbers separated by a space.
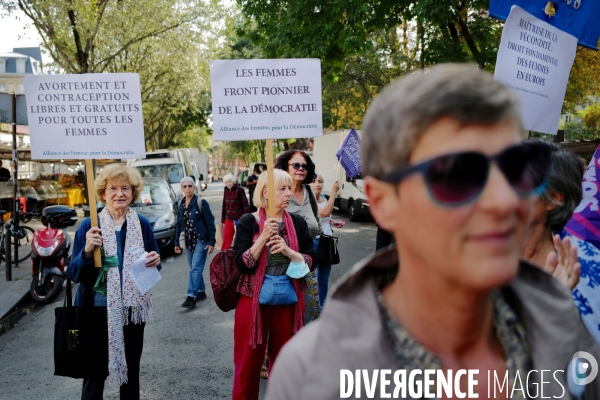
pixel 124 301
pixel 256 336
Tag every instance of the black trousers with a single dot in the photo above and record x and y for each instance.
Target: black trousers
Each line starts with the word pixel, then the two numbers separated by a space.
pixel 133 335
pixel 251 198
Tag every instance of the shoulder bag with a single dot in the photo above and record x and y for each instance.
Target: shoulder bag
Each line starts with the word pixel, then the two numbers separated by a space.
pixel 327 252
pixel 80 339
pixel 224 278
pixel 277 291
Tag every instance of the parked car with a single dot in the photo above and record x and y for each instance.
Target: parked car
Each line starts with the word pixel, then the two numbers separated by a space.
pixel 158 203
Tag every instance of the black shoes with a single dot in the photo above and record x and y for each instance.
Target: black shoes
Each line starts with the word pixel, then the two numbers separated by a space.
pixel 189 302
pixel 201 296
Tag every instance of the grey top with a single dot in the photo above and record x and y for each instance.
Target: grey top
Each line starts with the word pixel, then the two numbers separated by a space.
pixel 305 210
pixel 350 334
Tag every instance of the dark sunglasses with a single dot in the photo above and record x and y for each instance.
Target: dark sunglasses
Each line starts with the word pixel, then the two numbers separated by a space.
pixel 459 178
pixel 187 186
pixel 298 166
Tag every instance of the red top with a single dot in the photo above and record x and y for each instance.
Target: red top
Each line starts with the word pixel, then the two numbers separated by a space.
pixel 235 204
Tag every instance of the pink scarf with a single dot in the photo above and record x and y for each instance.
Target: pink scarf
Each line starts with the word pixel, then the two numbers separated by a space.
pixel 256 323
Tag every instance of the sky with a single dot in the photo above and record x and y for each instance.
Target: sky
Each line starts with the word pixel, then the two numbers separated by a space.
pixel 13 34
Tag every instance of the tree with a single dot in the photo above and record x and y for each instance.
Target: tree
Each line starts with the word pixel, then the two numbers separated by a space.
pixel 86 36
pixel 168 43
pixel 199 137
pixel 348 90
pixel 591 117
pixel 364 45
pixel 247 150
pixel 332 30
pixel 584 79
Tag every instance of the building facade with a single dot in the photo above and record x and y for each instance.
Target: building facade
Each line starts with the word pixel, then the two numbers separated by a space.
pixel 15 64
pixel 218 166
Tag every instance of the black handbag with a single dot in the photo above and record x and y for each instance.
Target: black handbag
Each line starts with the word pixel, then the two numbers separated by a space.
pixel 327 252
pixel 80 340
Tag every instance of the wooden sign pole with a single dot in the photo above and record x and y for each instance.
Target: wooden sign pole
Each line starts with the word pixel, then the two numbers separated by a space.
pixel 271 179
pixel 91 197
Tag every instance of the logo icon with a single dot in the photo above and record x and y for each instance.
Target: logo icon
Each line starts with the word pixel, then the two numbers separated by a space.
pixel 585 368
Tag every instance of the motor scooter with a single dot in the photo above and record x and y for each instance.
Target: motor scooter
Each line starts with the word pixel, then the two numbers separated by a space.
pixel 50 254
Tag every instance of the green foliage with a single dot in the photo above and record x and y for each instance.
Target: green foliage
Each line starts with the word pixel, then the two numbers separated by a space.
pixel 364 45
pixel 169 43
pixel 575 130
pixel 334 30
pixel 247 150
pixel 198 137
pixel 591 117
pixel 584 79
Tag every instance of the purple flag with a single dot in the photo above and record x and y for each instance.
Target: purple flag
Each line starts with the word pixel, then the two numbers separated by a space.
pixel 349 155
pixel 585 223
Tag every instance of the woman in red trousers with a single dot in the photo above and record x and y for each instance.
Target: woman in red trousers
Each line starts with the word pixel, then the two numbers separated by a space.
pixel 273 255
pixel 235 204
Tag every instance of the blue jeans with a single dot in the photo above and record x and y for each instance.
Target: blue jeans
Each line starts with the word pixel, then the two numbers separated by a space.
pixel 323 271
pixel 196 261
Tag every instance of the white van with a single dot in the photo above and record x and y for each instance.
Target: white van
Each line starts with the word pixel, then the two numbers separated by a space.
pixel 171 165
pixel 199 164
pixel 351 196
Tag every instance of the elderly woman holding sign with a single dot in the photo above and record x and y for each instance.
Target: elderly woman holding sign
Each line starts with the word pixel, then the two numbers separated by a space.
pixel 123 236
pixel 274 255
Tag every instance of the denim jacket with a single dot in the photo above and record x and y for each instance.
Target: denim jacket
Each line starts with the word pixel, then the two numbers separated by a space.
pixel 203 221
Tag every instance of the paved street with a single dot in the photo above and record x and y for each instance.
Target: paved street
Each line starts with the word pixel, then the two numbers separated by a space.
pixel 187 354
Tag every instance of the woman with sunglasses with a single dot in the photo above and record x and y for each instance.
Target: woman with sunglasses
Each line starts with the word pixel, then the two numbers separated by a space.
pixel 196 222
pixel 447 172
pixel 304 203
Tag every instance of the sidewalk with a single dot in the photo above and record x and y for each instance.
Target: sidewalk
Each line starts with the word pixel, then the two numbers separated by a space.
pixel 11 292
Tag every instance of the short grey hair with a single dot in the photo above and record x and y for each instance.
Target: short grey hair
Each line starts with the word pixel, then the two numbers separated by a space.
pixel 318 175
pixel 400 114
pixel 565 177
pixel 187 179
pixel 228 178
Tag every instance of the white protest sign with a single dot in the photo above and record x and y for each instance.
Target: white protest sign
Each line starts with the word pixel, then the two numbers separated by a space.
pixel 534 60
pixel 266 99
pixel 85 116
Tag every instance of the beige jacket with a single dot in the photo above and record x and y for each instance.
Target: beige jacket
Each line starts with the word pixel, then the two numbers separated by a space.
pixel 349 335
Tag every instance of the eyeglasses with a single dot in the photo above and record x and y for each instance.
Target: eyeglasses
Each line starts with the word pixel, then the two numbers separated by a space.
pixel 115 190
pixel 459 178
pixel 298 166
pixel 186 186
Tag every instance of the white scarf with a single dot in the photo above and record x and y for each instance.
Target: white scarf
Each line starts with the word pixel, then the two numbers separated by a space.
pixel 122 299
